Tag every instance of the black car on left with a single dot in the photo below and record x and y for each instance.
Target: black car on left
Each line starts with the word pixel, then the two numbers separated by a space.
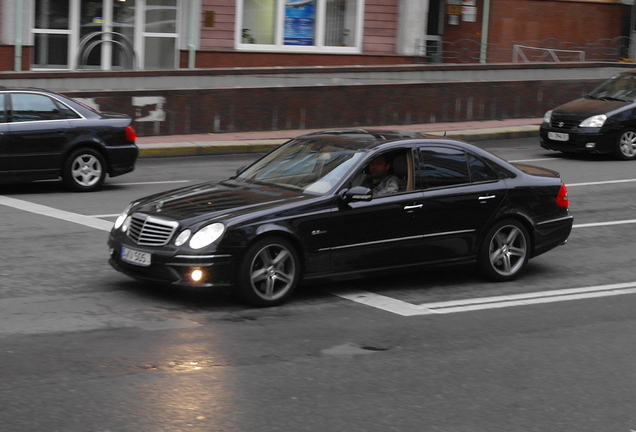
pixel 344 203
pixel 46 135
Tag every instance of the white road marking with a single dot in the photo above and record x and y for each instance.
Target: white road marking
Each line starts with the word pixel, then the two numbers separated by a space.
pixel 599 224
pixel 152 183
pixel 88 221
pixel 601 182
pixel 408 309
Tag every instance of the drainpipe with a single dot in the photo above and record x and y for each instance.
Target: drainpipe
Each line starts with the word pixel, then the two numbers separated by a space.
pixel 485 22
pixel 191 45
pixel 18 36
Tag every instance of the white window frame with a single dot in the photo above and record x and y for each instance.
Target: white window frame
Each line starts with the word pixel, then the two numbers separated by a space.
pixel 319 47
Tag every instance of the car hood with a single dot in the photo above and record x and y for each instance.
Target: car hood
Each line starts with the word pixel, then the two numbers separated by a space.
pixel 212 200
pixel 584 107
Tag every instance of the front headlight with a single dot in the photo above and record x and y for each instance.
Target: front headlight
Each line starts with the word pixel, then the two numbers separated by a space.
pixel 122 217
pixel 207 235
pixel 547 116
pixel 596 121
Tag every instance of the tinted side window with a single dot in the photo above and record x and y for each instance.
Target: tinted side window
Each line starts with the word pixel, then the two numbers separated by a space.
pixel 70 114
pixel 441 166
pixel 479 171
pixel 33 107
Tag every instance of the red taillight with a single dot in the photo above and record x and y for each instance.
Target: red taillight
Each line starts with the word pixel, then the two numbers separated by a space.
pixel 562 199
pixel 130 133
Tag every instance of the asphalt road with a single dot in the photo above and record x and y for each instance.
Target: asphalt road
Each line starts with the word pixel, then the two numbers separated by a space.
pixel 85 349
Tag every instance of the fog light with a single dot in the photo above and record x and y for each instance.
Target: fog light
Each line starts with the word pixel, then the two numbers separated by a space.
pixel 196 275
pixel 590 145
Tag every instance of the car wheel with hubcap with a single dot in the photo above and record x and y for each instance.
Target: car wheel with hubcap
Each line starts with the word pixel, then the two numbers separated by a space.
pixel 626 145
pixel 84 170
pixel 269 272
pixel 504 251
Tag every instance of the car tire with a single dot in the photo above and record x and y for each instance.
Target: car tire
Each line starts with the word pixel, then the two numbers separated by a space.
pixel 504 251
pixel 269 272
pixel 84 170
pixel 626 146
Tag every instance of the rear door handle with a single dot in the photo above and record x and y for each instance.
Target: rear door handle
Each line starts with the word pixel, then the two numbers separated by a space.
pixel 487 197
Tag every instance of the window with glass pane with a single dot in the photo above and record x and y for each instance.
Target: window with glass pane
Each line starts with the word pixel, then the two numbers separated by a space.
pixel 51 14
pixel 157 51
pixel 91 23
pixel 124 26
pixel 50 51
pixel 259 19
pixel 340 22
pixel 161 16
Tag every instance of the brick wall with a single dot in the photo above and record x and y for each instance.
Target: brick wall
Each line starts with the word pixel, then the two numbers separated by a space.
pixel 278 108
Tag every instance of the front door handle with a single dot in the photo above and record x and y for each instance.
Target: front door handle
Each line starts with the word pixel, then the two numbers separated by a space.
pixel 413 207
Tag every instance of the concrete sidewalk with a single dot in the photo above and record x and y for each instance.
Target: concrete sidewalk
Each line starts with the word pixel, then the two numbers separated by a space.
pixel 252 142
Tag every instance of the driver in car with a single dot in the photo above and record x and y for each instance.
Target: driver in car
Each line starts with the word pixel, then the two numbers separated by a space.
pixel 381 182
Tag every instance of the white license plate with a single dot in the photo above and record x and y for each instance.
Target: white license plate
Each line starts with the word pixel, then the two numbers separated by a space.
pixel 135 257
pixel 558 136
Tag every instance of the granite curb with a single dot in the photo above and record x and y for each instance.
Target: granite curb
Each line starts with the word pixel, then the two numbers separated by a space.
pixel 193 148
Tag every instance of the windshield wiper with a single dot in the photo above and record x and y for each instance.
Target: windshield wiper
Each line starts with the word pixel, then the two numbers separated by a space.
pixel 608 98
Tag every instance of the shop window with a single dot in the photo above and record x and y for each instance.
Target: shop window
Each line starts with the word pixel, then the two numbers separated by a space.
pixel 299 25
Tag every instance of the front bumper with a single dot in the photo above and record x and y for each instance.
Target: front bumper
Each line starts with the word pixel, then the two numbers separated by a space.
pixel 173 268
pixel 580 140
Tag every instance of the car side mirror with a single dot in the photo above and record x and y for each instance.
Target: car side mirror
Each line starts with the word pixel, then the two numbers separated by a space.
pixel 358 193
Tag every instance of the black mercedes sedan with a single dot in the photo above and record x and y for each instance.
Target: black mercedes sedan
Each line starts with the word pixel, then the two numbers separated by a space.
pixel 604 121
pixel 344 203
pixel 46 135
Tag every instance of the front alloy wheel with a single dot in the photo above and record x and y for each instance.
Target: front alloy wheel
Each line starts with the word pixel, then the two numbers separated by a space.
pixel 505 251
pixel 84 170
pixel 269 272
pixel 626 148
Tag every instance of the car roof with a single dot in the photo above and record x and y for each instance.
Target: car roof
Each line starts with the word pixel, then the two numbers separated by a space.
pixel 32 89
pixel 359 138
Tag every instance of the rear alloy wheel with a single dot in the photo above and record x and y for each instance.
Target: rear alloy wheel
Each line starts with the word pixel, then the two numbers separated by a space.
pixel 626 146
pixel 269 272
pixel 504 251
pixel 84 170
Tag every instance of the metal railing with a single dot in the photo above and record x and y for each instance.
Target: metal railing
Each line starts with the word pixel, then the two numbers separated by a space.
pixel 545 50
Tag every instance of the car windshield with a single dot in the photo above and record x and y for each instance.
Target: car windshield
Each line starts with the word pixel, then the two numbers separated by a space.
pixel 619 87
pixel 311 165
